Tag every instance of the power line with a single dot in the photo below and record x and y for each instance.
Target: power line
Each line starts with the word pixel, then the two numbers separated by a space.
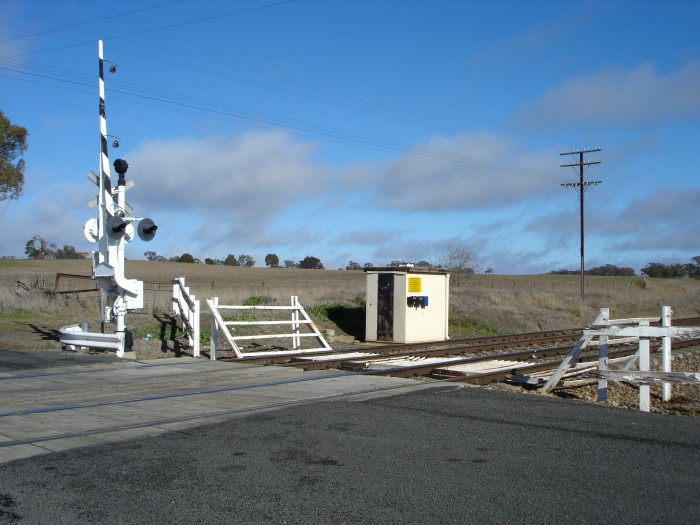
pixel 296 126
pixel 94 20
pixel 160 28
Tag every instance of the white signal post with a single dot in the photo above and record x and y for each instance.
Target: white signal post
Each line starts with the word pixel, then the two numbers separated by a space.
pixel 112 230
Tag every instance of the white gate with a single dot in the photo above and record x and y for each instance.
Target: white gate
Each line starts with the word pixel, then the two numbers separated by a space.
pixel 299 320
pixel 186 307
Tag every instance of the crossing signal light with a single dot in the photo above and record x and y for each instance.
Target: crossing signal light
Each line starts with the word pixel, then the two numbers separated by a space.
pixel 116 227
pixel 147 230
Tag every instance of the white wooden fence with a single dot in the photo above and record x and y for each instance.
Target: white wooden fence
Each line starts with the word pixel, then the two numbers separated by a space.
pixel 187 308
pixel 299 319
pixel 626 330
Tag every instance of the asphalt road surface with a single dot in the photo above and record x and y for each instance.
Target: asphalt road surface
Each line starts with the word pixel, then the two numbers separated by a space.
pixel 443 455
pixel 14 360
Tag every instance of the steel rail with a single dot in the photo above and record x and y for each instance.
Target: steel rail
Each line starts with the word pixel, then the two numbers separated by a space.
pixel 463 344
pixel 436 352
pixel 503 374
pixel 477 343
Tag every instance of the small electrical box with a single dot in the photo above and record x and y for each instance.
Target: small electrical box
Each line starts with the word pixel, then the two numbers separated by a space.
pixel 407 304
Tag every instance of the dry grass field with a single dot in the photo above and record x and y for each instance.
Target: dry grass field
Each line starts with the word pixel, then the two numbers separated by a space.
pixel 32 308
pixel 481 305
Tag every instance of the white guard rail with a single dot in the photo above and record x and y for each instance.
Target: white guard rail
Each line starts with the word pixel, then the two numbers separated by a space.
pixel 186 307
pixel 73 336
pixel 299 318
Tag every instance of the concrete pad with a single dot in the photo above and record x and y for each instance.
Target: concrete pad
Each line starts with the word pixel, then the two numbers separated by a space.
pixel 20 452
pixel 107 403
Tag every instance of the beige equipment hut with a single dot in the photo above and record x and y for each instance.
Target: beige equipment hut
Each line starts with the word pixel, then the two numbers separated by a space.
pixel 407 304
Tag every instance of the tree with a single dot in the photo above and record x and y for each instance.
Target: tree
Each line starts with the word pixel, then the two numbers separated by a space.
pixel 369 265
pixel 272 261
pixel 38 248
pixel 610 270
pixel 694 267
pixel 290 264
pixel 311 263
pixel 246 261
pixel 489 270
pixel 68 252
pixel 424 264
pixel 231 260
pixel 186 258
pixel 668 271
pixel 153 256
pixel 352 265
pixel 13 143
pixel 460 260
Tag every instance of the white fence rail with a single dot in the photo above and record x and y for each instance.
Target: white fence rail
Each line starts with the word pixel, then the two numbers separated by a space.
pixel 299 319
pixel 187 308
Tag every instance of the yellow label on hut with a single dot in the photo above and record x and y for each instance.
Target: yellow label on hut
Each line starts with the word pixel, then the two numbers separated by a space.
pixel 414 284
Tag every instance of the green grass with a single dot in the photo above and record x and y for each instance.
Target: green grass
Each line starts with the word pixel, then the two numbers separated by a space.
pixel 243 318
pixel 257 300
pixel 165 331
pixel 19 315
pixel 471 328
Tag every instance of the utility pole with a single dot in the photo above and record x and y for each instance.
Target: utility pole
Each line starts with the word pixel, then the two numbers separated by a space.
pixel 581 185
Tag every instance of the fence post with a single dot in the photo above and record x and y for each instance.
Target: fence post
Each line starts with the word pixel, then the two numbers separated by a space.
pixel 296 341
pixel 195 327
pixel 214 345
pixel 644 366
pixel 666 356
pixel 603 358
pixel 176 295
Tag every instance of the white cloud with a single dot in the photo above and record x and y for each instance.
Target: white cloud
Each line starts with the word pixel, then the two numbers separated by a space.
pixel 254 172
pixel 229 188
pixel 467 171
pixel 639 95
pixel 369 237
pixel 57 213
pixel 664 220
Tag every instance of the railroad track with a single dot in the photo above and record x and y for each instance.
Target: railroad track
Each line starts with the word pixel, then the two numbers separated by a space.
pixel 525 357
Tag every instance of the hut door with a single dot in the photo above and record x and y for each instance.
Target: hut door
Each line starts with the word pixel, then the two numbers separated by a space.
pixel 385 307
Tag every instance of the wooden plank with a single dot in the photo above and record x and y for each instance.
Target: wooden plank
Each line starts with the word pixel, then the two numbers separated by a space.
pixel 573 356
pixel 246 323
pixel 646 331
pixel 270 336
pixel 239 307
pixel 631 376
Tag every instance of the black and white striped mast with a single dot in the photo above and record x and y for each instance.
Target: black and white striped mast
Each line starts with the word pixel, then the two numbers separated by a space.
pixel 104 181
pixel 113 229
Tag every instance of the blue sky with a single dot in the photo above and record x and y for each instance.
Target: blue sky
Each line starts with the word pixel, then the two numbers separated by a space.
pixel 364 130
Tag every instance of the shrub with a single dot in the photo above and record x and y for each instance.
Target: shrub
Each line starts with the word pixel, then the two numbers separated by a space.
pixel 257 300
